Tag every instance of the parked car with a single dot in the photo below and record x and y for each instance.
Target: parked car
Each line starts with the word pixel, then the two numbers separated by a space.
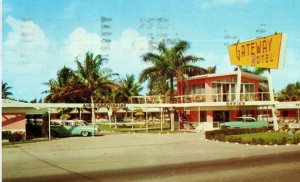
pixel 265 117
pixel 72 128
pixel 244 122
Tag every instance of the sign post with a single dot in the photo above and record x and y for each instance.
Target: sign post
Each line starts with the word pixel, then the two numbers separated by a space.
pixel 266 52
pixel 270 84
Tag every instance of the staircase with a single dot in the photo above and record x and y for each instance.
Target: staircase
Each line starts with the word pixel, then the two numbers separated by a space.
pixel 186 123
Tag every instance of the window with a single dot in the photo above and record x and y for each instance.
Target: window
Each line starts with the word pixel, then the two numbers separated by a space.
pixel 223 91
pixel 197 89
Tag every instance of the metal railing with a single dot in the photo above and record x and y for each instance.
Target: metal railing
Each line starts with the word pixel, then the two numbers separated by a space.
pixel 221 97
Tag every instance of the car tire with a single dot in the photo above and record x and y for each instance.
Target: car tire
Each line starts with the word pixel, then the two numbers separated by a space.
pixel 54 134
pixel 85 133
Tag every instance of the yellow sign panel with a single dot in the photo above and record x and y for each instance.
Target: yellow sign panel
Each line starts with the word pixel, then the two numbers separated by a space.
pixel 266 52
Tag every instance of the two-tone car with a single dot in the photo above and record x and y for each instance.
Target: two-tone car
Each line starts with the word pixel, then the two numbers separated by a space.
pixel 245 122
pixel 72 128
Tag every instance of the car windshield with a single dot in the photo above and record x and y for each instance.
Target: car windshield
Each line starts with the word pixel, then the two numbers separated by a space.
pixel 245 119
pixel 69 123
pixel 238 119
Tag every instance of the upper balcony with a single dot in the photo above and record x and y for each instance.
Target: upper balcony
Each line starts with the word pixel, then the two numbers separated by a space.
pixel 194 98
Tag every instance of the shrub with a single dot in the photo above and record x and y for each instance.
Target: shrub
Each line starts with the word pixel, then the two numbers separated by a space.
pixel 296 140
pixel 283 141
pixel 6 134
pixel 234 139
pixel 220 137
pixel 29 136
pixel 17 136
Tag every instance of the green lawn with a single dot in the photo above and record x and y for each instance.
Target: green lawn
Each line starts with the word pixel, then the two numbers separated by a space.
pixel 152 128
pixel 155 128
pixel 265 138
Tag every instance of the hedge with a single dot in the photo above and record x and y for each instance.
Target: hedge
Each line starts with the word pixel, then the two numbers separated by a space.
pixel 6 135
pixel 17 136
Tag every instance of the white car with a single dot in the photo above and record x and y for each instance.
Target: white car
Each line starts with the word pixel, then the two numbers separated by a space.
pixel 265 117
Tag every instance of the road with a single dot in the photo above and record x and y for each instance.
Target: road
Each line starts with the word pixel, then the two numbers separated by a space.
pixel 148 157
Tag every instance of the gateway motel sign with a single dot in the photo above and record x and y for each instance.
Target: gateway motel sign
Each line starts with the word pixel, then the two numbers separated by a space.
pixel 265 52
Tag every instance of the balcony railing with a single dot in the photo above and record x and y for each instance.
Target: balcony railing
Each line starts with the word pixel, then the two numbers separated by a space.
pixel 222 97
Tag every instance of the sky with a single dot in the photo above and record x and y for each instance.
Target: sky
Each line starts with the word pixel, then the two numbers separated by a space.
pixel 40 37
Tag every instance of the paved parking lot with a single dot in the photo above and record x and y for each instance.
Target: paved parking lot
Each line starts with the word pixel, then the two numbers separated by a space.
pixel 128 157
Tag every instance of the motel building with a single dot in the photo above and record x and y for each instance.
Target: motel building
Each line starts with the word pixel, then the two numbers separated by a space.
pixel 202 103
pixel 208 100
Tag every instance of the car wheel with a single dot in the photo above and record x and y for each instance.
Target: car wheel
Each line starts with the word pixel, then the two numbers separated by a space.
pixel 54 134
pixel 85 133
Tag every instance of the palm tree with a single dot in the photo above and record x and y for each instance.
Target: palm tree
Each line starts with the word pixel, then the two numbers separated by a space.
pixel 290 93
pixel 89 80
pixel 5 91
pixel 158 85
pixel 170 64
pixel 128 87
pixel 211 69
pixel 66 87
pixel 95 79
pixel 256 71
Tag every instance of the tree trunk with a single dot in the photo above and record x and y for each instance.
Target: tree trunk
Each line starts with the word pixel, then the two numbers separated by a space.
pixel 171 101
pixel 171 90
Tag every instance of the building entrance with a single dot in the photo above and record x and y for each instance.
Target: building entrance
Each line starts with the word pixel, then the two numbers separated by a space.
pixel 221 116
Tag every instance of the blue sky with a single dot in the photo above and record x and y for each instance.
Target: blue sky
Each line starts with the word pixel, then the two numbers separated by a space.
pixel 39 37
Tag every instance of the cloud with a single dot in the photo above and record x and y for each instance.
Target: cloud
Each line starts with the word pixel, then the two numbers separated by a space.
pixel 125 50
pixel 78 43
pixel 212 59
pixel 211 3
pixel 26 45
pixel 25 51
pixel 30 58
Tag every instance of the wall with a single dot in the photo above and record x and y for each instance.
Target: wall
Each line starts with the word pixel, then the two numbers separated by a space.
pixel 13 122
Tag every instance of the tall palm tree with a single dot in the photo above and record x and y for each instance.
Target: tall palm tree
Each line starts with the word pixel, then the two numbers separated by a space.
pixel 5 90
pixel 95 79
pixel 169 64
pixel 128 87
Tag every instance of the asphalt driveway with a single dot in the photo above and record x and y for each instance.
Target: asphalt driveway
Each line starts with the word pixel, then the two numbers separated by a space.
pixel 127 157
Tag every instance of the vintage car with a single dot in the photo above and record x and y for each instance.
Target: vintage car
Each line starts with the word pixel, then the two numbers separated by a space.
pixel 265 117
pixel 244 122
pixel 72 128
